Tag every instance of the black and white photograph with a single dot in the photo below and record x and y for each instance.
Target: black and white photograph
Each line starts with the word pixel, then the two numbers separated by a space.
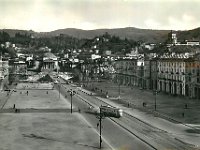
pixel 99 74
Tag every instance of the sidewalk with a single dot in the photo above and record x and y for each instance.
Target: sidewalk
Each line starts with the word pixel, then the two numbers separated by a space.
pixel 179 131
pixel 171 106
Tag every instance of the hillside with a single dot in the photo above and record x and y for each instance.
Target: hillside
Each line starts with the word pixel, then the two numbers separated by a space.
pixel 130 33
pixel 189 35
pixel 136 34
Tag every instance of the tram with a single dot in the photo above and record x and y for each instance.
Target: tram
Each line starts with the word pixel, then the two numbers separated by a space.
pixel 109 111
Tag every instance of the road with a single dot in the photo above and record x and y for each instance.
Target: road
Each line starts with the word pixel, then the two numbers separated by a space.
pixel 145 133
pixel 114 134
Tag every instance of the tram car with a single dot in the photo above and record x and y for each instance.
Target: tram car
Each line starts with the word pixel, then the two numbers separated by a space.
pixel 109 111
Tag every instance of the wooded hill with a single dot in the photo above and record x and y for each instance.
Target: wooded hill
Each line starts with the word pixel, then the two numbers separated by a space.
pixel 116 40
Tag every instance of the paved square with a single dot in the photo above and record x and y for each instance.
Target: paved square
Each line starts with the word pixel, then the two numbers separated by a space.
pixel 44 130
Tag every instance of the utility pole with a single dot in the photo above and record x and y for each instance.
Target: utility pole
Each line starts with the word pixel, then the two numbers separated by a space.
pixel 59 91
pixel 119 88
pixel 71 101
pixel 71 94
pixel 119 91
pixel 59 85
pixel 100 119
pixel 155 98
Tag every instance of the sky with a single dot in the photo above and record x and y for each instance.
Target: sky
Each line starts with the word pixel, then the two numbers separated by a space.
pixel 49 15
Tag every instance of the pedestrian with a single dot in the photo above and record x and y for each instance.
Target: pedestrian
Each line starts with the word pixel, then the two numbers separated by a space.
pixel 97 125
pixel 186 106
pixel 183 114
pixel 47 92
pixel 79 110
pixel 27 92
pixel 128 104
pixel 14 106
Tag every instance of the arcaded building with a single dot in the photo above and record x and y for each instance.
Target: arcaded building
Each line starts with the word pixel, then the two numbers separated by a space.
pixel 179 76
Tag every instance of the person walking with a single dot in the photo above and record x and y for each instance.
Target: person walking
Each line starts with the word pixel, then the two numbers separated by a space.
pixel 183 114
pixel 79 110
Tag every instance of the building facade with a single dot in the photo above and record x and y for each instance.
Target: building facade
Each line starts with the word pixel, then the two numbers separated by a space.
pixel 3 69
pixel 129 72
pixel 171 75
pixel 179 76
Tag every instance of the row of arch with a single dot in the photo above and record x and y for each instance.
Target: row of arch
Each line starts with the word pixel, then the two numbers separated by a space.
pixel 179 88
pixel 166 86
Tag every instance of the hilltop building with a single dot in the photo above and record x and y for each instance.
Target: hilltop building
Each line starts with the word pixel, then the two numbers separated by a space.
pixel 174 41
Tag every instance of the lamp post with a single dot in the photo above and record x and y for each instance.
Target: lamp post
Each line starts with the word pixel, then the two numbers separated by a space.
pixel 59 85
pixel 72 93
pixel 59 90
pixel 119 91
pixel 100 117
pixel 100 139
pixel 155 92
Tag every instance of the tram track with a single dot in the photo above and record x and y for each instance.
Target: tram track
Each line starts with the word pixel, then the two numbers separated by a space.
pixel 155 135
pixel 116 122
pixel 158 137
pixel 93 104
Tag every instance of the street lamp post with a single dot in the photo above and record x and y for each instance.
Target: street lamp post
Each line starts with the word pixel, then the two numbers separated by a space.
pixel 72 93
pixel 119 91
pixel 155 92
pixel 100 128
pixel 100 117
pixel 59 91
pixel 59 85
pixel 71 101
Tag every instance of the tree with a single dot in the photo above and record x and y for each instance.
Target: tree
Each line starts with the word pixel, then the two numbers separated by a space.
pixel 4 37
